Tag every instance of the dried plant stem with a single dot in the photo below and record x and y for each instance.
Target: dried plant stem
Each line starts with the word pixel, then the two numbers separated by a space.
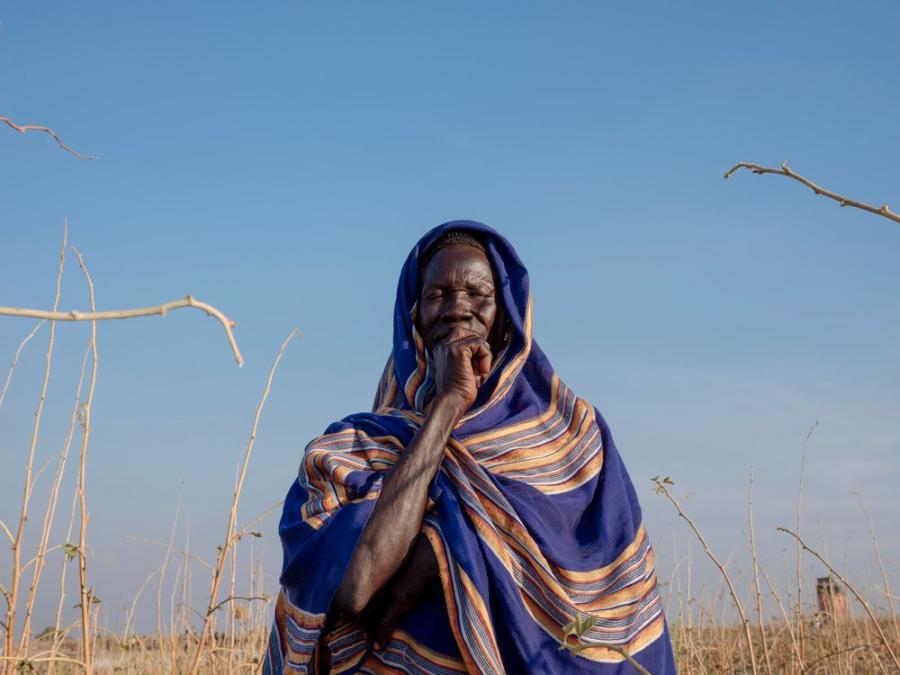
pixel 15 660
pixel 800 636
pixel 884 575
pixel 130 616
pixel 182 552
pixel 785 170
pixel 831 655
pixel 173 630
pixel 162 577
pixel 759 614
pixel 155 310
pixel 256 521
pixel 232 517
pixel 57 638
pixel 250 598
pixel 86 595
pixel 15 573
pixel 859 598
pixel 22 128
pixel 231 615
pixel 15 360
pixel 50 511
pixel 745 623
pixel 784 614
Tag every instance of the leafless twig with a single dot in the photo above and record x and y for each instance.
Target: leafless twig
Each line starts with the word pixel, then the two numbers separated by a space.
pixel 256 521
pixel 15 360
pixel 16 570
pixel 232 598
pixel 785 170
pixel 22 128
pixel 82 474
pixel 232 517
pixel 759 613
pixel 745 623
pixel 884 574
pixel 156 310
pixel 800 635
pixel 182 552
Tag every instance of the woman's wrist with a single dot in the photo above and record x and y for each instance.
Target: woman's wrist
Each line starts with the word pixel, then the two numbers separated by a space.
pixel 450 406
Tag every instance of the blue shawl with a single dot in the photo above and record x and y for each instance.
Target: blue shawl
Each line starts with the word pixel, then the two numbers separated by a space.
pixel 532 517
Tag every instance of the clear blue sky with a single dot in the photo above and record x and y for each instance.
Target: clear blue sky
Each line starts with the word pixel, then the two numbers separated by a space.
pixel 279 159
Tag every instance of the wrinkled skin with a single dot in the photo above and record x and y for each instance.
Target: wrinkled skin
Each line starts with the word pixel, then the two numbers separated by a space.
pixel 394 567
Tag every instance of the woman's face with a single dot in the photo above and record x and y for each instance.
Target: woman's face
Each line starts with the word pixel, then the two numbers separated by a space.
pixel 458 295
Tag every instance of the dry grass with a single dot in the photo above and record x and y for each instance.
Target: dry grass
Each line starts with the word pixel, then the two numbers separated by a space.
pixel 850 647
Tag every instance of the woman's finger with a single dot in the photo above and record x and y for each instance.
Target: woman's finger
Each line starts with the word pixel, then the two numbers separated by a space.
pixel 386 625
pixel 483 357
pixel 370 617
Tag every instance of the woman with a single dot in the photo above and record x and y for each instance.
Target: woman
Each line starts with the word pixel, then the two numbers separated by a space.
pixel 477 511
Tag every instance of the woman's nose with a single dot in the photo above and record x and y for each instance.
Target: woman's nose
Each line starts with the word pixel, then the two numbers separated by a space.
pixel 458 307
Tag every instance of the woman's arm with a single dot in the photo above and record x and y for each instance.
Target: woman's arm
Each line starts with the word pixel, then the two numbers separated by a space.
pixel 397 517
pixel 418 577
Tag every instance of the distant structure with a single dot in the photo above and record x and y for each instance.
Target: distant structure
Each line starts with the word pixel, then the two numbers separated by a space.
pixel 834 606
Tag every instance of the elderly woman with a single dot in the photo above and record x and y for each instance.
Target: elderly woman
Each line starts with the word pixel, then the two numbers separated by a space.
pixel 477 512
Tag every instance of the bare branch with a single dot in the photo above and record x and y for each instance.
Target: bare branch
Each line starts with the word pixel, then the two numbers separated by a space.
pixel 82 474
pixel 800 634
pixel 156 310
pixel 232 518
pixel 179 551
pixel 256 521
pixel 745 623
pixel 865 605
pixel 15 361
pixel 22 128
pixel 785 170
pixel 7 532
pixel 232 598
pixel 884 574
pixel 16 571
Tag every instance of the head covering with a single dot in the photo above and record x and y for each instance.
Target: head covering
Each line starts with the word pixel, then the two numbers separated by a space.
pixel 532 516
pixel 408 380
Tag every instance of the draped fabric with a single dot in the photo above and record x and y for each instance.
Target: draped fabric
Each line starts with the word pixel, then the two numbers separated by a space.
pixel 532 517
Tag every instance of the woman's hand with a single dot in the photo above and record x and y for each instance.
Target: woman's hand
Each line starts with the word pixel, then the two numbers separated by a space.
pixel 418 577
pixel 462 362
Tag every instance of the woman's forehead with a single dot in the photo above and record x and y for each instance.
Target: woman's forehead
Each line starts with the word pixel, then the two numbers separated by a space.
pixel 457 261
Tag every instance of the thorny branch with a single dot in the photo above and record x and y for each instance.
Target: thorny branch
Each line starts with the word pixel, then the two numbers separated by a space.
pixel 22 128
pixel 160 310
pixel 785 170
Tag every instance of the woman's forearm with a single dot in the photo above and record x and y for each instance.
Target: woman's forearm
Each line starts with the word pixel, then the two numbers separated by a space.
pixel 397 517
